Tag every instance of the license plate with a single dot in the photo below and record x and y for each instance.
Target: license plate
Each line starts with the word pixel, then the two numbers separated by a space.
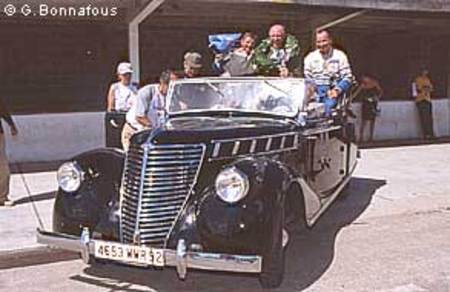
pixel 129 253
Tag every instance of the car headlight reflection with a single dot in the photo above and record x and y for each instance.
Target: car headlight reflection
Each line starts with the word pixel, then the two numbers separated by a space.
pixel 232 185
pixel 69 177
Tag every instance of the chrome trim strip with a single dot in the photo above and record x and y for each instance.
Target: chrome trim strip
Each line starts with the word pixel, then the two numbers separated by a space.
pixel 177 178
pixel 122 192
pixel 157 152
pixel 160 218
pixel 188 162
pixel 141 191
pixel 253 146
pixel 163 199
pixel 216 150
pixel 161 158
pixel 236 146
pixel 268 144
pixel 283 141
pixel 296 140
pixel 171 168
pixel 173 146
pixel 151 189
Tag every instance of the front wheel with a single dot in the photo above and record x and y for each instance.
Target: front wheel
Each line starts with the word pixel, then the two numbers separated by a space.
pixel 273 260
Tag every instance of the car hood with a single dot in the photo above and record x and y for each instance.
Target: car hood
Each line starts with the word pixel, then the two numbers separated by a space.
pixel 203 129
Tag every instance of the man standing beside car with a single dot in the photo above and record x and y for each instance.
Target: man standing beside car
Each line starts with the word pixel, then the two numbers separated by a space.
pixel 329 70
pixel 4 167
pixel 151 101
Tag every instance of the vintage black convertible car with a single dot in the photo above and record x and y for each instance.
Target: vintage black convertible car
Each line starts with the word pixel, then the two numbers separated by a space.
pixel 237 165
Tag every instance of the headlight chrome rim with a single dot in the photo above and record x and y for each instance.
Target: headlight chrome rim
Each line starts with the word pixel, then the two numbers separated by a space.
pixel 232 185
pixel 70 176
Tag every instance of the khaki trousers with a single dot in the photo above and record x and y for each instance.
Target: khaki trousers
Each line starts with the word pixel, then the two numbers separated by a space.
pixel 4 170
pixel 127 132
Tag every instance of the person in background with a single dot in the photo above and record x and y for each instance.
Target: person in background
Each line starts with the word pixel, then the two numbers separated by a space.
pixel 121 92
pixel 370 93
pixel 4 167
pixel 119 100
pixel 239 61
pixel 329 70
pixel 192 65
pixel 278 55
pixel 422 89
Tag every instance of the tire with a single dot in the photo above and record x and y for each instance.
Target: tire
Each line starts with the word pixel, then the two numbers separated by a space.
pixel 273 259
pixel 295 218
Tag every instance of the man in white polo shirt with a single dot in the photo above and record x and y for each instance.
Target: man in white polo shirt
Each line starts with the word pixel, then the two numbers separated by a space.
pixel 329 70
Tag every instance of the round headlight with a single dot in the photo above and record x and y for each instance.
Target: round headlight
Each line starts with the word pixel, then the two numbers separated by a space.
pixel 232 185
pixel 69 176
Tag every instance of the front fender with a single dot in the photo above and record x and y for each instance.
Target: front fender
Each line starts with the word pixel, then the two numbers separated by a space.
pixel 240 227
pixel 95 203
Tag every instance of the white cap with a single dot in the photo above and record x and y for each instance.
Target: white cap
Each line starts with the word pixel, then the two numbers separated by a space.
pixel 124 68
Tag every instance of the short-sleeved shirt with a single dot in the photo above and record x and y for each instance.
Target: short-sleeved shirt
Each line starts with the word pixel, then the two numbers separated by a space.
pixel 424 88
pixel 150 101
pixel 123 96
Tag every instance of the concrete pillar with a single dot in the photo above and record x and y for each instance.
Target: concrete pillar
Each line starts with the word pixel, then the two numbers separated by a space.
pixel 133 36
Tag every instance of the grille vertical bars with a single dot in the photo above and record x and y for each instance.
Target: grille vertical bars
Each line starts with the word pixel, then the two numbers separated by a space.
pixel 157 182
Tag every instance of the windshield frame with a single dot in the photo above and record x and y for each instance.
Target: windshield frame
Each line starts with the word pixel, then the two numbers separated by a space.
pixel 209 80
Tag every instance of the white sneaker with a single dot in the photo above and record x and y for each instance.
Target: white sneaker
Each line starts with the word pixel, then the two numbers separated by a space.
pixel 7 203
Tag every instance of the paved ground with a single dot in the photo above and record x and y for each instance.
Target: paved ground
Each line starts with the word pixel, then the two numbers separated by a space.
pixel 29 182
pixel 390 233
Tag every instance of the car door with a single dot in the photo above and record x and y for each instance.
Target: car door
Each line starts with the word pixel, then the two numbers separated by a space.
pixel 326 159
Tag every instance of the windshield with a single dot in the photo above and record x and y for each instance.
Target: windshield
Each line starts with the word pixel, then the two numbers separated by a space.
pixel 275 96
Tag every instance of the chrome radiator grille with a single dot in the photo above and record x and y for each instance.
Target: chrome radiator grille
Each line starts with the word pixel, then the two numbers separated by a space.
pixel 157 181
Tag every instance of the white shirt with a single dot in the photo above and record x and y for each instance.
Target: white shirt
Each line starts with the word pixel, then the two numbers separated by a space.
pixel 324 70
pixel 123 96
pixel 131 114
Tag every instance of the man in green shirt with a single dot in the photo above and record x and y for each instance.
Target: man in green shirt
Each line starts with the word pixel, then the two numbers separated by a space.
pixel 278 55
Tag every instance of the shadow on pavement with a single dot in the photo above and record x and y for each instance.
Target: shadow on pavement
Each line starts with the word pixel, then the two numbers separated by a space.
pixel 308 257
pixel 31 167
pixel 36 198
pixel 34 256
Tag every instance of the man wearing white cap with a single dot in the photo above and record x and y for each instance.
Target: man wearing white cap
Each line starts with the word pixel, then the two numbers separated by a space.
pixel 121 95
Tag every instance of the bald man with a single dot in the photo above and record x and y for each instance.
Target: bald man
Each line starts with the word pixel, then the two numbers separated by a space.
pixel 328 68
pixel 278 55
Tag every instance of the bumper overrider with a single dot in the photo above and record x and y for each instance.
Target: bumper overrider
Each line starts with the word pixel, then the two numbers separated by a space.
pixel 181 258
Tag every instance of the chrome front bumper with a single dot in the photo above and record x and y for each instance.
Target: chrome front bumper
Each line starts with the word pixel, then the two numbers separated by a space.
pixel 181 258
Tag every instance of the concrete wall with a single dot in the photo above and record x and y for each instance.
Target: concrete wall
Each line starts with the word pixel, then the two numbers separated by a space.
pixel 47 137
pixel 399 120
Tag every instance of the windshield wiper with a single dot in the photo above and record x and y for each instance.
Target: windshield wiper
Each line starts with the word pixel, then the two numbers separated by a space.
pixel 216 89
pixel 276 87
